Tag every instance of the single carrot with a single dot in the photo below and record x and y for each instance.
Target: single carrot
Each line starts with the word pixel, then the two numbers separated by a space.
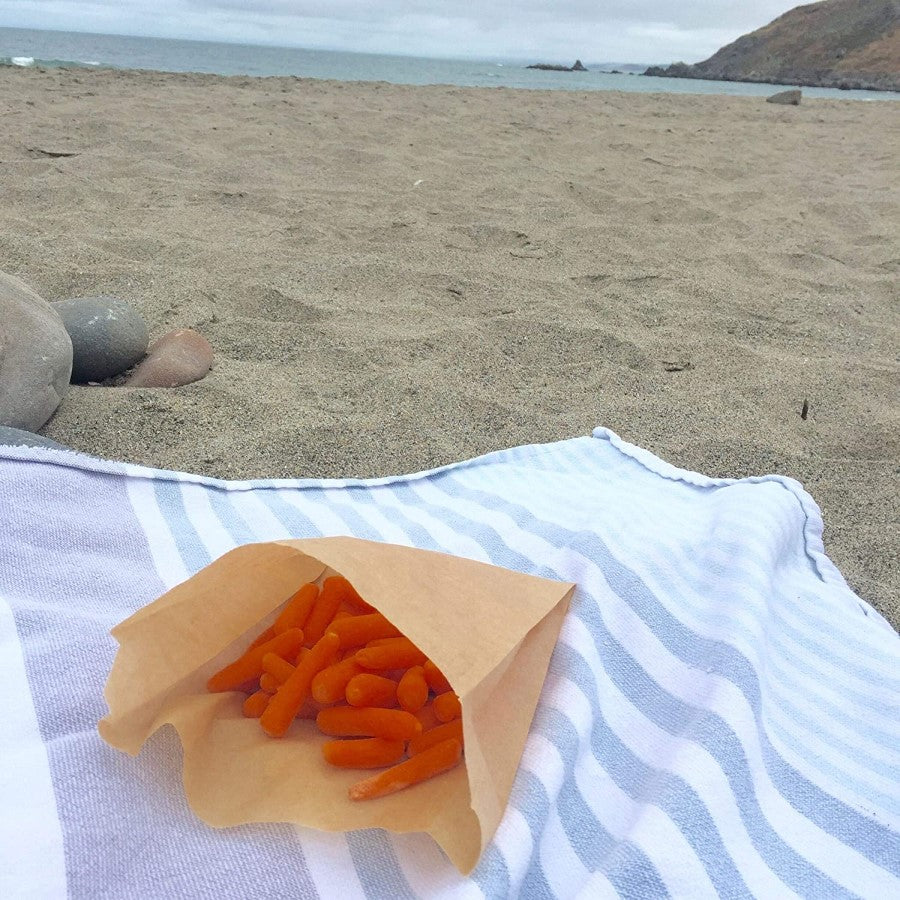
pixel 298 608
pixel 349 721
pixel 330 684
pixel 371 690
pixel 262 637
pixel 300 654
pixel 427 717
pixel 436 679
pixel 355 631
pixel 380 642
pixel 250 664
pixel 447 706
pixel 412 692
pixel 438 759
pixel 330 598
pixel 268 683
pixel 363 753
pixel 255 704
pixel 278 668
pixel 352 598
pixel 291 696
pixel 397 653
pixel 434 736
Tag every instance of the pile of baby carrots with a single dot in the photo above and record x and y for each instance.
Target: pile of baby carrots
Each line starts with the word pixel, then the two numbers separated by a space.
pixel 331 657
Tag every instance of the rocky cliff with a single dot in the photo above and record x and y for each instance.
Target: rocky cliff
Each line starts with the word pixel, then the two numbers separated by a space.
pixel 836 43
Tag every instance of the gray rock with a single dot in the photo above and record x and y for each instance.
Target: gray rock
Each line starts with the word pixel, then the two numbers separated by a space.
pixel 15 437
pixel 108 336
pixel 35 356
pixel 789 98
pixel 177 358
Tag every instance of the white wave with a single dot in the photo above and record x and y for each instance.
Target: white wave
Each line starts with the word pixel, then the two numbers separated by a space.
pixel 22 60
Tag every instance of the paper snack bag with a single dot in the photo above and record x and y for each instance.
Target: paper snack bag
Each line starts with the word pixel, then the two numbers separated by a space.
pixel 490 630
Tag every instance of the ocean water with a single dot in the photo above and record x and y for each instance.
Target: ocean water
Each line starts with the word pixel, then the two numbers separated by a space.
pixel 23 47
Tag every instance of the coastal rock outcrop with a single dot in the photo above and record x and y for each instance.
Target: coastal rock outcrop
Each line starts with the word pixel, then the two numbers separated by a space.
pixel 108 336
pixel 177 358
pixel 550 67
pixel 786 98
pixel 35 356
pixel 837 43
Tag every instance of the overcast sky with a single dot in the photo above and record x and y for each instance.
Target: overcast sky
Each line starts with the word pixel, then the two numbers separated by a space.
pixel 642 31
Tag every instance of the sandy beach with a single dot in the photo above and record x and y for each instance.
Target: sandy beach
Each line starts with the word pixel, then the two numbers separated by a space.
pixel 394 278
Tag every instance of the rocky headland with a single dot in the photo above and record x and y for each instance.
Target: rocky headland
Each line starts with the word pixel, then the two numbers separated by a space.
pixel 846 44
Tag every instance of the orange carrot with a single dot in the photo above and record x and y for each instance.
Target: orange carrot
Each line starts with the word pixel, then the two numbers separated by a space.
pixel 333 592
pixel 412 692
pixel 371 690
pixel 447 706
pixel 365 753
pixel 434 761
pixel 355 631
pixel 264 636
pixel 352 599
pixel 348 721
pixel 436 679
pixel 427 717
pixel 298 608
pixel 330 684
pixel 436 735
pixel 397 653
pixel 291 696
pixel 255 704
pixel 278 668
pixel 250 664
pixel 268 683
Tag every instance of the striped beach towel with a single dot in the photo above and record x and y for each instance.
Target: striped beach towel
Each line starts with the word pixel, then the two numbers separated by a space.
pixel 720 715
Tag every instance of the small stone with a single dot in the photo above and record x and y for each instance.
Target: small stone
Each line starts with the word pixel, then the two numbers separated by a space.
pixel 35 356
pixel 788 98
pixel 15 437
pixel 177 358
pixel 108 336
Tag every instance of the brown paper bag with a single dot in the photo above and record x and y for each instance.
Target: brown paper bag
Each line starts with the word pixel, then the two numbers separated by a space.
pixel 490 630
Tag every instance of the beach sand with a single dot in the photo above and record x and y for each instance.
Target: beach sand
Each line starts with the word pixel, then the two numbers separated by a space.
pixel 394 278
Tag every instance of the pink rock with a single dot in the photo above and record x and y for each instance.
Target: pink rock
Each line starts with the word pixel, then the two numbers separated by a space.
pixel 177 358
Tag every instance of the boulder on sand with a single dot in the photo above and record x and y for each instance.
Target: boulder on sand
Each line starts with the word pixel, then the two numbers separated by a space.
pixel 108 336
pixel 35 356
pixel 177 358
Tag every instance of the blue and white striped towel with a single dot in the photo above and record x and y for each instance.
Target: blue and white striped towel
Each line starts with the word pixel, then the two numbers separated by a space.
pixel 720 716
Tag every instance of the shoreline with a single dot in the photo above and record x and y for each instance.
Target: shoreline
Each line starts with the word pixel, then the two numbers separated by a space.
pixel 397 277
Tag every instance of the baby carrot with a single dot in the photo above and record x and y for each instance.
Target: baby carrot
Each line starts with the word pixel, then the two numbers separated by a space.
pixel 436 735
pixel 255 704
pixel 298 608
pixel 371 690
pixel 268 683
pixel 330 684
pixel 284 706
pixel 355 631
pixel 412 692
pixel 250 664
pixel 437 759
pixel 278 668
pixel 397 653
pixel 332 595
pixel 364 753
pixel 263 636
pixel 436 679
pixel 427 717
pixel 348 721
pixel 447 707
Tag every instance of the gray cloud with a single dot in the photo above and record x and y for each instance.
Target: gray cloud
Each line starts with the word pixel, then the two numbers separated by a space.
pixel 646 31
